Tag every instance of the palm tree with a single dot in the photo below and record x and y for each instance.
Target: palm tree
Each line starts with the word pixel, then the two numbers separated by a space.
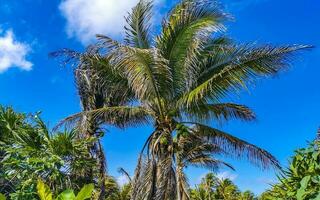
pixel 247 195
pixel 192 149
pixel 30 151
pixel 95 93
pixel 212 187
pixel 227 190
pixel 10 123
pixel 206 189
pixel 182 78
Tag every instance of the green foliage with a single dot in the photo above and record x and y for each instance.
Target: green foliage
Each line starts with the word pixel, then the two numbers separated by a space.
pixel 2 197
pixel 115 191
pixel 177 84
pixel 301 179
pixel 29 152
pixel 85 192
pixel 212 188
pixel 247 195
pixel 45 193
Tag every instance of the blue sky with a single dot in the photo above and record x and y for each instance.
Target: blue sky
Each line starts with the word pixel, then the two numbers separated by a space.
pixel 287 106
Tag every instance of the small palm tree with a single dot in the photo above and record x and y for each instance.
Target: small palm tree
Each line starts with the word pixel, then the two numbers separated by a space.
pixel 227 190
pixel 31 151
pixel 193 149
pixel 182 78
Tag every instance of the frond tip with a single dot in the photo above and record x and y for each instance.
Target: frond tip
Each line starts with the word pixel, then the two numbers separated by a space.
pixel 236 147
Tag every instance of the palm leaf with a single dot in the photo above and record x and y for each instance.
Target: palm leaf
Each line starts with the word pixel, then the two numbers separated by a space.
pixel 219 112
pixel 236 147
pixel 120 116
pixel 138 28
pixel 146 70
pixel 187 24
pixel 232 71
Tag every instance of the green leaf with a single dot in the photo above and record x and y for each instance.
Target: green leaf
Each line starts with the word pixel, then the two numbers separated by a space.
pixel 85 192
pixel 317 197
pixel 66 195
pixel 303 185
pixel 2 197
pixel 43 191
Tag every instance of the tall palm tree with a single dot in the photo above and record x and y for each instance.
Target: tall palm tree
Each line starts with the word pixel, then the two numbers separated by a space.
pixel 182 78
pixel 95 93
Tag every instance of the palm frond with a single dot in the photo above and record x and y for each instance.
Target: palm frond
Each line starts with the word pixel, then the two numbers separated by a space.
pixel 206 161
pixel 232 71
pixel 138 28
pixel 66 56
pixel 99 83
pixel 120 116
pixel 187 25
pixel 236 147
pixel 146 70
pixel 125 173
pixel 219 112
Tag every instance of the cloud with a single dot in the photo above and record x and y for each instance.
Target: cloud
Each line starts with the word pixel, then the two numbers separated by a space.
pixel 86 18
pixel 266 180
pixel 122 180
pixel 13 53
pixel 227 175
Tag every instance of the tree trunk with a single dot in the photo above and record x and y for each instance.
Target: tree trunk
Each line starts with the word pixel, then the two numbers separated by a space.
pixel 102 171
pixel 178 183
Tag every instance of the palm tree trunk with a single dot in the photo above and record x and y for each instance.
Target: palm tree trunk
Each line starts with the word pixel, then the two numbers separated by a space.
pixel 97 151
pixel 102 170
pixel 178 182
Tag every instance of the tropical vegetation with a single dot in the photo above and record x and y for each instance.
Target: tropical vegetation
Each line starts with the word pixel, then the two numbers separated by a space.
pixel 44 193
pixel 301 179
pixel 213 188
pixel 178 82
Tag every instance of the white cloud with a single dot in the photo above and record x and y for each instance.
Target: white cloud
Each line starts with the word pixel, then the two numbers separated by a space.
pixel 122 180
pixel 227 175
pixel 86 18
pixel 13 53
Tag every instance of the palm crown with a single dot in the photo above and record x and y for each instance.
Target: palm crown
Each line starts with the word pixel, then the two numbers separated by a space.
pixel 180 79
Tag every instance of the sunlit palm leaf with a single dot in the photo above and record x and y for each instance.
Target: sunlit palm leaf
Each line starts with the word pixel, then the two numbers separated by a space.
pixel 237 147
pixel 220 112
pixel 233 71
pixel 181 32
pixel 120 116
pixel 138 28
pixel 146 70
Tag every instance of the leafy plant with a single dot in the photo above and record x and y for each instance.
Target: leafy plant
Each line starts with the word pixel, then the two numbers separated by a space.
pixel 2 197
pixel 301 179
pixel 30 151
pixel 45 193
